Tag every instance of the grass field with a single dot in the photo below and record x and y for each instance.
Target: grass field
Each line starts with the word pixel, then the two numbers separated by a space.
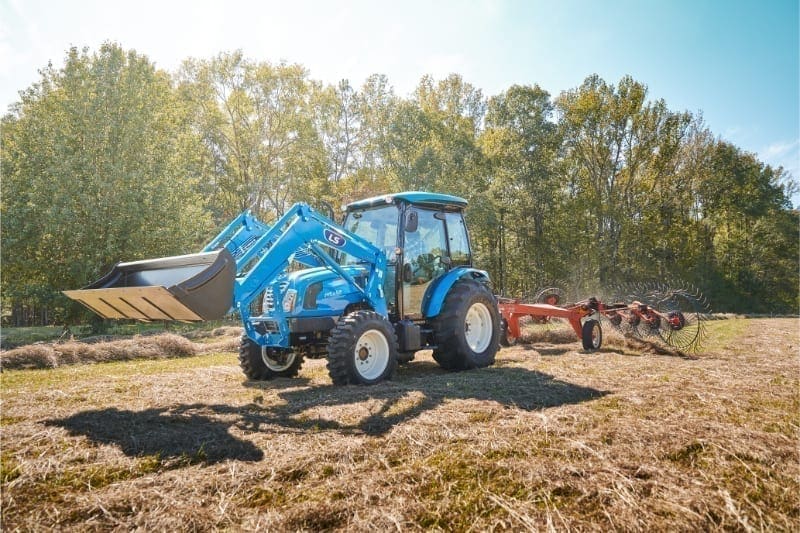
pixel 629 438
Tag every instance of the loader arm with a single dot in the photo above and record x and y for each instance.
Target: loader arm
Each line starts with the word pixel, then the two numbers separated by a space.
pixel 232 271
pixel 302 229
pixel 241 235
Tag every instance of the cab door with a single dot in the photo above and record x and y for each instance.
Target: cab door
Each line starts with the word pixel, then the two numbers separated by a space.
pixel 424 258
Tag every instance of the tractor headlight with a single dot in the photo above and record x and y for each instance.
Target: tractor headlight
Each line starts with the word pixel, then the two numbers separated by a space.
pixel 288 300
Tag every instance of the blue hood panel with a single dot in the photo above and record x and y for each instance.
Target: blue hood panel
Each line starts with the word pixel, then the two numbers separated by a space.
pixel 331 295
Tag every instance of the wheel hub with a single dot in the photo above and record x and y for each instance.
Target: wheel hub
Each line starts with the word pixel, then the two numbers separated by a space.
pixel 363 353
pixel 676 320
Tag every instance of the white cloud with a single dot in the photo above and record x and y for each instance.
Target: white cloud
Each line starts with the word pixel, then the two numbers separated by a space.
pixel 784 154
pixel 781 149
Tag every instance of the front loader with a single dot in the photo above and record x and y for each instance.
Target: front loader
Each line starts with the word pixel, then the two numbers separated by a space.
pixel 395 278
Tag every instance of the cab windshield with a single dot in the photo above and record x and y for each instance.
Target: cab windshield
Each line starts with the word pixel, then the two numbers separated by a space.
pixel 378 226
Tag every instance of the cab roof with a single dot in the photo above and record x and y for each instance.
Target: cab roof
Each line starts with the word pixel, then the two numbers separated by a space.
pixel 411 197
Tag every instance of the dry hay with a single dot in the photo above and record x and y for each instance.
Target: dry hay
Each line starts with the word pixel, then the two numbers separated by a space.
pixel 222 331
pixel 51 355
pixel 227 331
pixel 613 440
pixel 556 332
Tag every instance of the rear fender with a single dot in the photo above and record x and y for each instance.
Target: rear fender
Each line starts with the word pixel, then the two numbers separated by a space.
pixel 438 289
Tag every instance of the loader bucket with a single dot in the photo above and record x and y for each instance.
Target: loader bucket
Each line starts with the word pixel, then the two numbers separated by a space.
pixel 187 287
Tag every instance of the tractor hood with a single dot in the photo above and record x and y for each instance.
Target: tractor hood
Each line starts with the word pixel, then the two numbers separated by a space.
pixel 314 292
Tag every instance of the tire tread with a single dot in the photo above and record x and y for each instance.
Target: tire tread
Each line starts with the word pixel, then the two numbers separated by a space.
pixel 452 353
pixel 341 344
pixel 253 366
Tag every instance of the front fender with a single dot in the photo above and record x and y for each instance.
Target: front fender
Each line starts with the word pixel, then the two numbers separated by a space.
pixel 438 289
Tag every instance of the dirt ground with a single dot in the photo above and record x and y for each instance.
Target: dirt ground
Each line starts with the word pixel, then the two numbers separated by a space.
pixel 550 438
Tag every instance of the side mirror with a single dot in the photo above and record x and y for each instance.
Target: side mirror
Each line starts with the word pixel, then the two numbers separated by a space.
pixel 408 274
pixel 412 220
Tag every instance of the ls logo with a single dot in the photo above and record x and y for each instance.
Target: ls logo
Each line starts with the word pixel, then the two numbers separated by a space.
pixel 334 238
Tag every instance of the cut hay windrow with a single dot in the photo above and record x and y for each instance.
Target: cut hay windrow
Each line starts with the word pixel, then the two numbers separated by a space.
pixel 53 355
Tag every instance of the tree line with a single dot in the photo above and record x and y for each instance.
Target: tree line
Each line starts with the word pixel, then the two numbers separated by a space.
pixel 109 158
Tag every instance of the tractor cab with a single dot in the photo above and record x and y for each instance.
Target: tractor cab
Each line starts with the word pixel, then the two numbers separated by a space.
pixel 423 236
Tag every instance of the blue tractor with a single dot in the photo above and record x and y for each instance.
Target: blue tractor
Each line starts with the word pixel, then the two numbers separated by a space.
pixel 394 278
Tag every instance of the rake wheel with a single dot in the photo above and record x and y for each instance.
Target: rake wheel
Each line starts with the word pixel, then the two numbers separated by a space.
pixel 686 313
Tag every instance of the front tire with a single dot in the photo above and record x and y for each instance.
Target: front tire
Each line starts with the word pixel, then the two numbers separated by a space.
pixel 467 330
pixel 362 349
pixel 260 363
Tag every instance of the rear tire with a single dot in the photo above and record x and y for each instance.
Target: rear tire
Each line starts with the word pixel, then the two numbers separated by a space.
pixel 362 349
pixel 467 330
pixel 261 363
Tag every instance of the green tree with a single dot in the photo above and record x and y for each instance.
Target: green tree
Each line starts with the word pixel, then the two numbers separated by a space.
pixel 96 165
pixel 619 149
pixel 256 122
pixel 753 233
pixel 338 120
pixel 452 112
pixel 434 145
pixel 522 144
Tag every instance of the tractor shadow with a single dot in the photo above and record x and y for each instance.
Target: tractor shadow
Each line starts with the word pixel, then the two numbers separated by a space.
pixel 189 436
pixel 418 387
pixel 202 432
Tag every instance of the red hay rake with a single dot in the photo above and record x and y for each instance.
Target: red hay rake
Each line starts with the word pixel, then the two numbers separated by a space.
pixel 674 317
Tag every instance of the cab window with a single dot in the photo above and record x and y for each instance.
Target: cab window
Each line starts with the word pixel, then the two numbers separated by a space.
pixel 378 226
pixel 425 248
pixel 458 240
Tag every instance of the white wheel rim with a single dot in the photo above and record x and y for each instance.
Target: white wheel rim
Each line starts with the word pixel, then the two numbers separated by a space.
pixel 371 354
pixel 478 327
pixel 596 335
pixel 274 364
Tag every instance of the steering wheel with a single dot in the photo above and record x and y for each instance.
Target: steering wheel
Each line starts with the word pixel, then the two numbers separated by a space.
pixel 426 259
pixel 427 263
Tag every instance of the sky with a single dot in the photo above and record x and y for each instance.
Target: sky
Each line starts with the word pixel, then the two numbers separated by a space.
pixel 735 61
